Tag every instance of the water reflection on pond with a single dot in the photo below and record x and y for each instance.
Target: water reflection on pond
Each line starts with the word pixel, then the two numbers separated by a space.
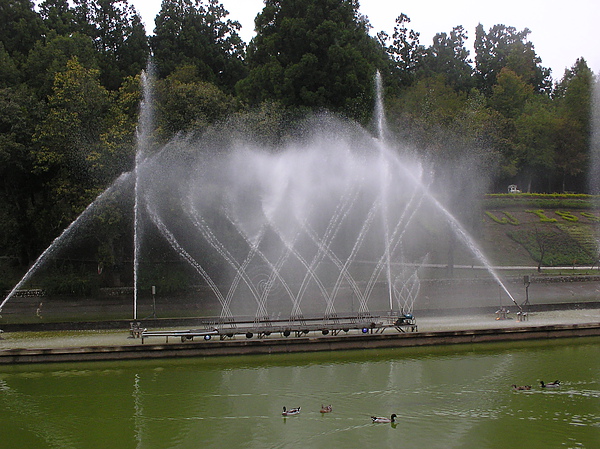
pixel 445 397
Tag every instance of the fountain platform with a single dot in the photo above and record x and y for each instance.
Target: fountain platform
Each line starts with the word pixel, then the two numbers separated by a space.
pixel 112 344
pixel 297 327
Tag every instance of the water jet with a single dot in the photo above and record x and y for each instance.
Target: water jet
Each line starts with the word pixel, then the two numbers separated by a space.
pixel 340 222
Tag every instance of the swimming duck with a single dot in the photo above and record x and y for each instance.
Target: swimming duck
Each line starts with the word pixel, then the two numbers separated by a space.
pixel 379 419
pixel 554 384
pixel 290 412
pixel 326 408
pixel 521 387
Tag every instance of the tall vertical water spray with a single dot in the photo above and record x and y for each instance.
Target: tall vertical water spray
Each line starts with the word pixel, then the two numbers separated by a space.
pixel 144 130
pixel 379 113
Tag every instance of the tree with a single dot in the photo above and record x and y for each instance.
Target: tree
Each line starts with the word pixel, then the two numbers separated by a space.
pixel 573 95
pixel 58 16
pixel 510 94
pixel 195 33
pixel 535 141
pixel 21 28
pixel 404 50
pixel 428 109
pixel 508 98
pixel 313 54
pixel 118 35
pixel 187 103
pixel 69 139
pixel 448 56
pixel 9 74
pixel 505 47
pixel 50 56
pixel 19 113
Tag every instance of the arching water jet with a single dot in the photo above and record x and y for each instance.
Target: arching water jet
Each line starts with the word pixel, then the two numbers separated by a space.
pixel 63 239
pixel 307 210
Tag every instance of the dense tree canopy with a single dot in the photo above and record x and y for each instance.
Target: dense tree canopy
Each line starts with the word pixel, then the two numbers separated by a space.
pixel 312 53
pixel 195 33
pixel 70 88
pixel 505 47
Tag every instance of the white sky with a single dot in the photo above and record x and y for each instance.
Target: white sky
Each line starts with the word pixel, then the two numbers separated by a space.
pixel 561 31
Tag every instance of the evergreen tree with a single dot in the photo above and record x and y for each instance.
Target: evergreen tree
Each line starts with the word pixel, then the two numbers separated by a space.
pixel 449 57
pixel 118 35
pixel 404 50
pixel 58 16
pixel 50 56
pixel 313 54
pixel 195 33
pixel 21 28
pixel 505 47
pixel 20 188
pixel 573 95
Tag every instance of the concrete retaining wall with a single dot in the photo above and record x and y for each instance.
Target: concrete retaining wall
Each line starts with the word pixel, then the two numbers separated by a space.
pixel 291 345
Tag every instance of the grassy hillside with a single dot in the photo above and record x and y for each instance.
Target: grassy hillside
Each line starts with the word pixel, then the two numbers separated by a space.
pixel 521 229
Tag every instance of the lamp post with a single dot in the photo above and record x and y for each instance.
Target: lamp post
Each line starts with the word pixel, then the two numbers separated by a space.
pixel 526 281
pixel 153 301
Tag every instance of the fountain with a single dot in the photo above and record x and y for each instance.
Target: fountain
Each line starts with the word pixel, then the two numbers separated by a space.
pixel 339 220
pixel 327 221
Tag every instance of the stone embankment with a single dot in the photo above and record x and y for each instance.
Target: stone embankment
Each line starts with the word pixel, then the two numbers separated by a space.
pixel 439 331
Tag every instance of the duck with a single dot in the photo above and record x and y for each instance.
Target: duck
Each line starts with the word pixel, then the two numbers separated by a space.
pixel 326 408
pixel 521 387
pixel 379 419
pixel 554 384
pixel 291 412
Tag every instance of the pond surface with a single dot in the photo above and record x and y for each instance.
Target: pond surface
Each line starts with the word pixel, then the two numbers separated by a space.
pixel 445 397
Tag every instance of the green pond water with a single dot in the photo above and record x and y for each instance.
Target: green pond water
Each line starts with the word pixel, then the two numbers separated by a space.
pixel 445 397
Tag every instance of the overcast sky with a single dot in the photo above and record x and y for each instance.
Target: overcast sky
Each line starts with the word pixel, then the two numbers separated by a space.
pixel 561 31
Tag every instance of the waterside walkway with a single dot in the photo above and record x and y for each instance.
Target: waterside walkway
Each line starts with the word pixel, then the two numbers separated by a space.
pixel 72 346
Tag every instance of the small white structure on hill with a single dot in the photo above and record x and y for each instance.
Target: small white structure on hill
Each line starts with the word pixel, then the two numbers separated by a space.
pixel 513 189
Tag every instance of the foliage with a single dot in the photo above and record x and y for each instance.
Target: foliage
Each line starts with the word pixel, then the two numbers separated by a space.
pixel 196 34
pixel 118 35
pixel 187 103
pixel 505 47
pixel 405 51
pixel 70 93
pixel 508 218
pixel 21 28
pixel 566 215
pixel 539 200
pixel 69 281
pixel 574 97
pixel 312 54
pixel 449 57
pixel 542 216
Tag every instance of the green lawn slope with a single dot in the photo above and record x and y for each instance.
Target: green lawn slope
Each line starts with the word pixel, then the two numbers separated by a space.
pixel 526 229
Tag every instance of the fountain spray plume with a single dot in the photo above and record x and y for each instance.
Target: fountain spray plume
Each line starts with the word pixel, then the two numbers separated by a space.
pixel 461 232
pixel 379 115
pixel 456 225
pixel 307 211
